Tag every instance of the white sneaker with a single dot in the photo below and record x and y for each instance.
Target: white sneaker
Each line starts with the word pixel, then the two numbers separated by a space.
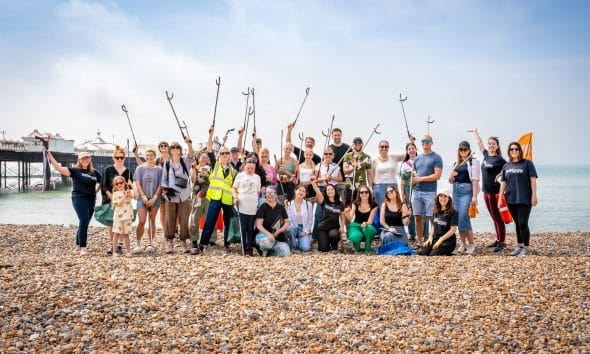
pixel 150 249
pixel 470 249
pixel 170 248
pixel 517 251
pixel 83 251
pixel 136 249
pixel 461 248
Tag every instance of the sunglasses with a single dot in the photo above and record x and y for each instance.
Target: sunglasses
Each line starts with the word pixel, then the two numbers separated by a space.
pixel 425 141
pixel 119 157
pixel 119 183
pixel 224 153
pixel 383 147
pixel 328 154
pixel 514 149
pixel 364 192
pixel 163 146
pixel 389 191
pixel 175 147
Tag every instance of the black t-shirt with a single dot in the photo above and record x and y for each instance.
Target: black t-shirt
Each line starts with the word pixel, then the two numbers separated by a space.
pixel 491 166
pixel 443 222
pixel 83 183
pixel 330 215
pixel 339 151
pixel 316 158
pixel 107 181
pixel 273 218
pixel 518 181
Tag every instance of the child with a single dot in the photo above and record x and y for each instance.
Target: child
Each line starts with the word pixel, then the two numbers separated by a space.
pixel 123 215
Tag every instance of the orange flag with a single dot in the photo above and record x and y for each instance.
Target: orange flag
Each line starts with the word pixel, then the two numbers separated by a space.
pixel 526 141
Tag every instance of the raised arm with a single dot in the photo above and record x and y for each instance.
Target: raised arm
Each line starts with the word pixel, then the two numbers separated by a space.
pixel 318 193
pixel 289 130
pixel 59 168
pixel 478 139
pixel 240 139
pixel 189 143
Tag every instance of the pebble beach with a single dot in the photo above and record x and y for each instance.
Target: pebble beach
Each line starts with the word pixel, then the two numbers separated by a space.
pixel 52 301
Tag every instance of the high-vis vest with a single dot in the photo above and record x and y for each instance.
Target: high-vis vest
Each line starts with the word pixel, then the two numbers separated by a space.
pixel 221 188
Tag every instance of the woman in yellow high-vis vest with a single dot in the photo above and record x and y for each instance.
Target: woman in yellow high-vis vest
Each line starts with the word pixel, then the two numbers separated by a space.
pixel 219 194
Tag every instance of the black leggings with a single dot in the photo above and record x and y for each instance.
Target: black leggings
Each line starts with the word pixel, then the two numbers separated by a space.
pixel 328 240
pixel 520 214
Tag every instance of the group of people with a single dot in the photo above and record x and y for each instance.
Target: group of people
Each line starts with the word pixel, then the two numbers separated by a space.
pixel 304 197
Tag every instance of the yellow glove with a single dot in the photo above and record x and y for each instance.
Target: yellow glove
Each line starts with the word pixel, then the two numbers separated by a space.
pixel 428 242
pixel 437 244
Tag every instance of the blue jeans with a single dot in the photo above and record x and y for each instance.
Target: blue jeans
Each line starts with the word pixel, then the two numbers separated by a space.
pixel 212 213
pixel 277 248
pixel 462 194
pixel 84 208
pixel 316 220
pixel 399 236
pixel 298 241
pixel 379 191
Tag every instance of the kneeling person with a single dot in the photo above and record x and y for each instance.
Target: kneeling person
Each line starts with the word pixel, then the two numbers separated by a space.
pixel 442 240
pixel 271 222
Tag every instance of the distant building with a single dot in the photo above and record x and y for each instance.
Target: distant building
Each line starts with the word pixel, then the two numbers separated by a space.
pixel 97 146
pixel 56 142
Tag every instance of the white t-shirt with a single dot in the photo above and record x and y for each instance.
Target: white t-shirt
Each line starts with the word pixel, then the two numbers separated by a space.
pixel 386 171
pixel 323 170
pixel 305 174
pixel 248 187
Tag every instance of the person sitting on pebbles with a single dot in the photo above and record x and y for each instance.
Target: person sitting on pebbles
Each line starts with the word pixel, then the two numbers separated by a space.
pixel 272 221
pixel 442 239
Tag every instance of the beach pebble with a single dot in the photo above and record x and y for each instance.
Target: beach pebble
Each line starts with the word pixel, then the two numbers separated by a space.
pixel 54 301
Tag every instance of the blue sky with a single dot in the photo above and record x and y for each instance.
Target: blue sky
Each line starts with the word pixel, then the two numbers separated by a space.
pixel 506 67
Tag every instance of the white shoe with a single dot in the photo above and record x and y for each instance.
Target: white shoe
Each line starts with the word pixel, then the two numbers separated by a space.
pixel 461 248
pixel 83 251
pixel 470 249
pixel 150 249
pixel 136 249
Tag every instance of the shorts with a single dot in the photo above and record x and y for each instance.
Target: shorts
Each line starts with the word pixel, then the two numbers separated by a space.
pixel 423 203
pixel 122 227
pixel 462 195
pixel 141 206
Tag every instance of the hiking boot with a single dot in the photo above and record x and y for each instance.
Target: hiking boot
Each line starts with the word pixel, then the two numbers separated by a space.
pixel 499 247
pixel 516 251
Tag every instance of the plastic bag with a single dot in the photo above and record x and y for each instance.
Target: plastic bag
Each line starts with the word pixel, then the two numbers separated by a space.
pixel 104 214
pixel 395 249
pixel 234 234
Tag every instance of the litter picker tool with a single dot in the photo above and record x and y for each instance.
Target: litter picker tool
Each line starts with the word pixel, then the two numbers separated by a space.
pixel 401 101
pixel 328 135
pixel 183 128
pixel 218 83
pixel 301 107
pixel 129 121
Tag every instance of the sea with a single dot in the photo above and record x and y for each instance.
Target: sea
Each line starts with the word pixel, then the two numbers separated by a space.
pixel 563 194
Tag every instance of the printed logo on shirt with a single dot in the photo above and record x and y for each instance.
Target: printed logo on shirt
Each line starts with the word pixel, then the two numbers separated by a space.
pixel 440 222
pixel 515 170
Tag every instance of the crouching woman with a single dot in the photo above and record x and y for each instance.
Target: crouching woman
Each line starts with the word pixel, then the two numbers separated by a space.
pixel 442 239
pixel 271 222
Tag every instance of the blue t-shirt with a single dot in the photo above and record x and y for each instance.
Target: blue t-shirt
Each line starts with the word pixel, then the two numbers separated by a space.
pixel 84 184
pixel 425 165
pixel 518 181
pixel 491 166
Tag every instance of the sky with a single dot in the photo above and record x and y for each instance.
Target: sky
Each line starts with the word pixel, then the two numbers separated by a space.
pixel 504 67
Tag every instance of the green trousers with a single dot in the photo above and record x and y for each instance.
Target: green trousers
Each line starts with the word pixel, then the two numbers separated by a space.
pixel 358 234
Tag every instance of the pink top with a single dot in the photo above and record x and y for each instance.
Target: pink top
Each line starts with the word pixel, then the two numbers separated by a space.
pixel 271 172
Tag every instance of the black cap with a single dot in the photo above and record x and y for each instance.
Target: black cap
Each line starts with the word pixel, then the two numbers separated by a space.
pixel 357 140
pixel 464 144
pixel 235 149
